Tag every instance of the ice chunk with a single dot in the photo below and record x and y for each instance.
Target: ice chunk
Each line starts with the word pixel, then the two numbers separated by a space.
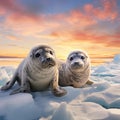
pixel 101 69
pixel 114 114
pixel 5 74
pixel 117 59
pixel 115 103
pixel 18 107
pixel 107 98
pixel 91 111
pixel 98 101
pixel 63 113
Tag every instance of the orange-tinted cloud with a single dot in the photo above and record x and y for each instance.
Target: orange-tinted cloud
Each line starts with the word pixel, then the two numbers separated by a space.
pixel 12 37
pixel 2 12
pixel 81 36
pixel 71 25
pixel 9 5
pixel 74 19
pixel 107 10
pixel 85 16
pixel 17 12
pixel 88 15
pixel 78 21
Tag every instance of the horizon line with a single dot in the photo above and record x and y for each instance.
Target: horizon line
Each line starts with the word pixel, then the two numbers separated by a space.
pixel 102 57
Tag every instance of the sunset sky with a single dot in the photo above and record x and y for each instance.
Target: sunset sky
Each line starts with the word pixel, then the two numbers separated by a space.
pixel 65 25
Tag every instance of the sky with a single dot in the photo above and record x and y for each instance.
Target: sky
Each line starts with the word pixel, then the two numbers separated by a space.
pixel 65 25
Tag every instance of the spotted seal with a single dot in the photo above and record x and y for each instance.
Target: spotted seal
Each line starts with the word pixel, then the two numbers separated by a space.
pixel 76 70
pixel 37 72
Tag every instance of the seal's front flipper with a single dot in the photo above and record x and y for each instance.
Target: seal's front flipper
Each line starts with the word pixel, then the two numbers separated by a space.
pixel 59 92
pixel 6 86
pixel 10 83
pixel 15 91
pixel 89 82
pixel 20 90
pixel 56 90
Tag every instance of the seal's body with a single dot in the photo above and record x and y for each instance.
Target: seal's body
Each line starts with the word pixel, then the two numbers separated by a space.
pixel 37 72
pixel 76 71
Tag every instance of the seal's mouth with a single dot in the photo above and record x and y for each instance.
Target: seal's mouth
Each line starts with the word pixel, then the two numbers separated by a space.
pixel 77 66
pixel 51 64
pixel 48 63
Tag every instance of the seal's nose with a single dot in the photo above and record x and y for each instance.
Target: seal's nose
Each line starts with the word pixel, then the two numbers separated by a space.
pixel 48 59
pixel 76 63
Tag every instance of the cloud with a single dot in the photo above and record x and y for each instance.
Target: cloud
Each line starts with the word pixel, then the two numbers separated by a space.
pixel 17 12
pixel 79 19
pixel 25 11
pixel 12 37
pixel 9 5
pixel 10 57
pixel 78 24
pixel 108 40
pixel 30 11
pixel 106 11
pixel 2 12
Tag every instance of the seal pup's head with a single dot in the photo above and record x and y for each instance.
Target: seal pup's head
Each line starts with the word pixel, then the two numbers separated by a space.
pixel 77 61
pixel 43 56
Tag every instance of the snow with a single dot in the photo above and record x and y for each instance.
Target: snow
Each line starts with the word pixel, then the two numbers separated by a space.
pixel 100 101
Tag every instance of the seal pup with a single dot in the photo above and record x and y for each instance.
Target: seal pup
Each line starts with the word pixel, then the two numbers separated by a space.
pixel 76 71
pixel 37 72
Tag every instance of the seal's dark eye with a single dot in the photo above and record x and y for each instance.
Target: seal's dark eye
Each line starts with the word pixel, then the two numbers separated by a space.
pixel 71 58
pixel 37 55
pixel 51 52
pixel 82 57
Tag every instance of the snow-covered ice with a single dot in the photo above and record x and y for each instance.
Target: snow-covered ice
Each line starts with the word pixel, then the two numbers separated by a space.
pixel 100 101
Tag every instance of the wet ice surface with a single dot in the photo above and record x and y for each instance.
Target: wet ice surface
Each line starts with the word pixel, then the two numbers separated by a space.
pixel 100 101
